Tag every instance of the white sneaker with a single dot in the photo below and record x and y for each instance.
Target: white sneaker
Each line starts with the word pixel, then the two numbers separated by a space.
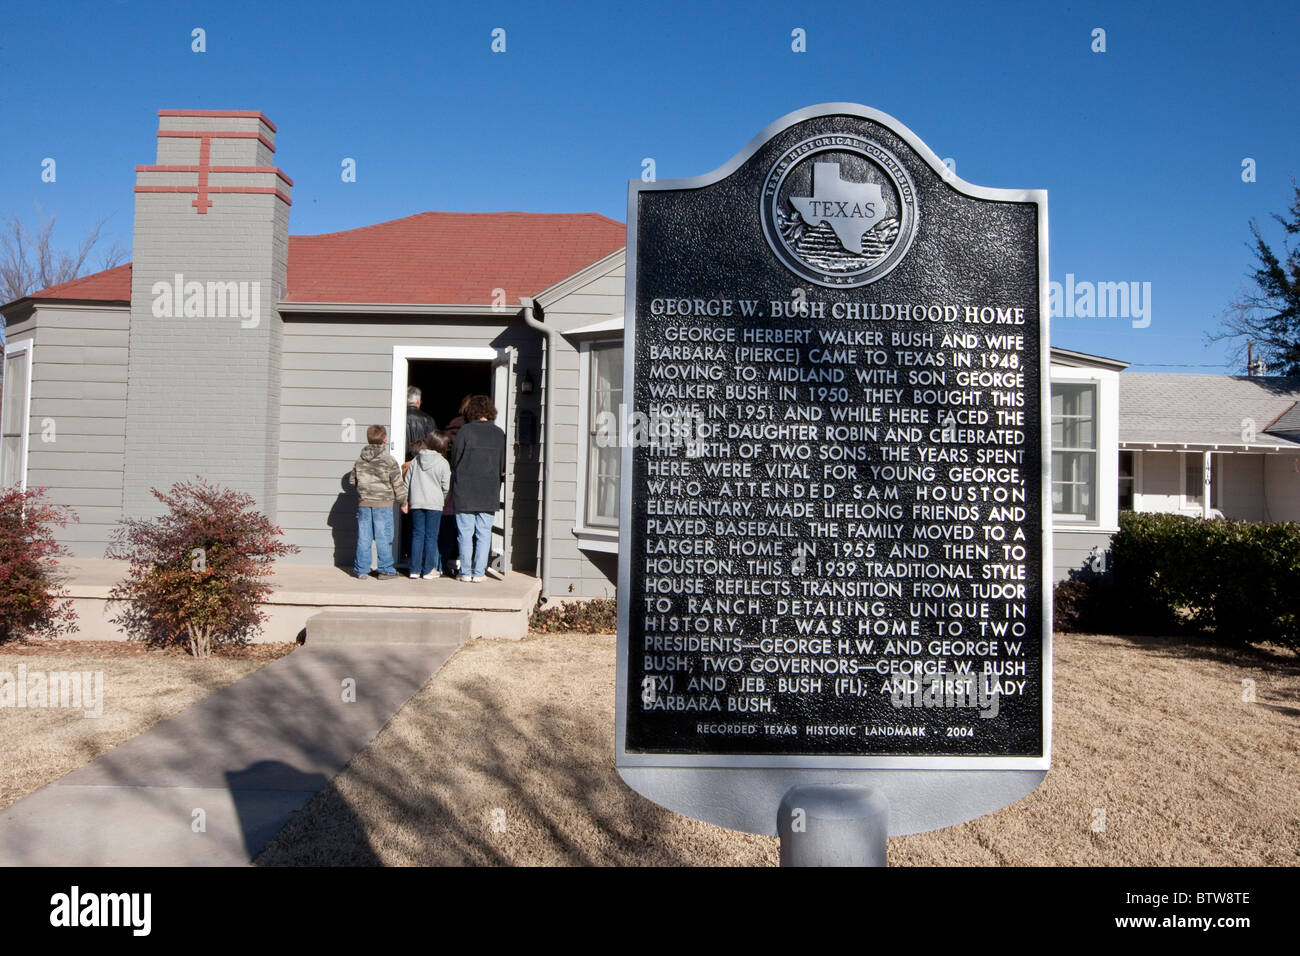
pixel 432 574
pixel 466 578
pixel 414 576
pixel 478 579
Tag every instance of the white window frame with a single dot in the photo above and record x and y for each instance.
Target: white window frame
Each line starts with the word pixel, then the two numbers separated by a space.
pixel 590 538
pixel 12 349
pixel 1201 507
pixel 1097 470
pixel 1136 478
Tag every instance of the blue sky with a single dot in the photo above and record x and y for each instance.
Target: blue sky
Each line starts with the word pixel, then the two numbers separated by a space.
pixel 1140 147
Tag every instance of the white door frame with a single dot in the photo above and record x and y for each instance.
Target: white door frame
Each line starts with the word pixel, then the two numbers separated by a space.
pixel 405 353
pixel 502 361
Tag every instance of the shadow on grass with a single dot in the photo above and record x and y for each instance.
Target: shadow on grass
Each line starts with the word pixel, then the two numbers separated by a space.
pixel 502 791
pixel 1194 645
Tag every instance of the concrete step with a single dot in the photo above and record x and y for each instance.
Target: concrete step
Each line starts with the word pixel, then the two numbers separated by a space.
pixel 389 627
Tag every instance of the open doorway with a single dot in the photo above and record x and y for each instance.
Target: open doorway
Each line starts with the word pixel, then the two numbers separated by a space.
pixel 444 382
pixel 445 375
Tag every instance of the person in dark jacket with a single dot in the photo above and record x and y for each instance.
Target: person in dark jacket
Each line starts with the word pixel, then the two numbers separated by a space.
pixel 418 423
pixel 478 462
pixel 448 536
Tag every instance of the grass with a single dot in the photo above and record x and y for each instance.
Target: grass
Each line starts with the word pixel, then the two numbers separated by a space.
pixel 140 688
pixel 506 757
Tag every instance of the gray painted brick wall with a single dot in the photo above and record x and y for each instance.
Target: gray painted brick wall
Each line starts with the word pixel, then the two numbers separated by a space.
pixel 203 394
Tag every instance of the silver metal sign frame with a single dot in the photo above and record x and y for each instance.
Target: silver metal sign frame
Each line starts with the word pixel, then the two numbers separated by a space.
pixel 742 791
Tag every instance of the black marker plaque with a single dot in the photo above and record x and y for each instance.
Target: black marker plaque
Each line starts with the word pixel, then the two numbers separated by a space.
pixel 834 539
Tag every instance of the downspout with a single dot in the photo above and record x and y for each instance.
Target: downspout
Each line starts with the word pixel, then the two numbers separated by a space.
pixel 531 320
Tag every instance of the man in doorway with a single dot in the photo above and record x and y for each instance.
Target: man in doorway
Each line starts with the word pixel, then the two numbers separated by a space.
pixel 478 463
pixel 419 424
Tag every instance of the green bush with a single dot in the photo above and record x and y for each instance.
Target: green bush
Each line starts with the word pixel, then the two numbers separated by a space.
pixel 597 616
pixel 1078 607
pixel 1238 579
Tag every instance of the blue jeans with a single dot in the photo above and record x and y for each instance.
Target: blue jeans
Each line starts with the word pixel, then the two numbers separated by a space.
pixel 448 543
pixel 424 540
pixel 475 532
pixel 374 525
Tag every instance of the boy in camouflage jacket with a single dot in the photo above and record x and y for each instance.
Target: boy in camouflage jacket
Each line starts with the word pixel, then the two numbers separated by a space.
pixel 378 480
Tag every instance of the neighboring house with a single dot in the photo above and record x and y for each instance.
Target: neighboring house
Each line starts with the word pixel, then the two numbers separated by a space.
pixel 1210 445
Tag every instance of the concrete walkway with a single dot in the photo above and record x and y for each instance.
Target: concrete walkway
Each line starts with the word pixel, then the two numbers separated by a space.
pixel 212 785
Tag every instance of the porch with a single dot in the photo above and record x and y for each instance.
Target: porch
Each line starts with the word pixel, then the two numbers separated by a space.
pixel 496 607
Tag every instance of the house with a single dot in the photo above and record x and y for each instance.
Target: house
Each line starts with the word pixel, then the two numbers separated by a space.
pixel 1210 445
pixel 230 349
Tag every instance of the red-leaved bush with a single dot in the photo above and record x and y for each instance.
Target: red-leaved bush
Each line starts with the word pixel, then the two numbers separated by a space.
pixel 198 573
pixel 31 602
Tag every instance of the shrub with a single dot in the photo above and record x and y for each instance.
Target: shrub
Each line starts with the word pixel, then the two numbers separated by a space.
pixel 31 603
pixel 198 572
pixel 1239 579
pixel 597 616
pixel 1076 606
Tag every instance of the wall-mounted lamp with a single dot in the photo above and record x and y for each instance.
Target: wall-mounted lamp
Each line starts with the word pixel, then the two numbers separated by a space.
pixel 527 386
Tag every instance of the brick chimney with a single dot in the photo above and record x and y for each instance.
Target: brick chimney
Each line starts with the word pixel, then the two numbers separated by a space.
pixel 211 248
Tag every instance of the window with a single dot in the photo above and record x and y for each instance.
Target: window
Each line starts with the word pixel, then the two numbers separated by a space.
pixel 1127 479
pixel 15 407
pixel 1074 452
pixel 604 398
pixel 1194 480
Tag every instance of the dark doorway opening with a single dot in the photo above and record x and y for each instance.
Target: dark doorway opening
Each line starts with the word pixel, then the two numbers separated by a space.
pixel 444 382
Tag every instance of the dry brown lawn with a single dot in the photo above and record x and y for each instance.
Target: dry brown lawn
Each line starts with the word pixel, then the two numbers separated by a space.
pixel 140 688
pixel 506 757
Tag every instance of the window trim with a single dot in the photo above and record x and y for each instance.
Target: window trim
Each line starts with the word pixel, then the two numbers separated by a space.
pixel 1136 477
pixel 1073 520
pixel 590 537
pixel 13 349
pixel 1185 503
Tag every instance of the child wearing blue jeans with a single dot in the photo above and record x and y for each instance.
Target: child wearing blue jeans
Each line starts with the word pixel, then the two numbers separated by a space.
pixel 428 479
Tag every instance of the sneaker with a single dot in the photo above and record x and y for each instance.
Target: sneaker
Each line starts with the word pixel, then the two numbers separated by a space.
pixel 384 576
pixel 466 578
pixel 432 574
pixel 362 577
pixel 478 579
pixel 415 576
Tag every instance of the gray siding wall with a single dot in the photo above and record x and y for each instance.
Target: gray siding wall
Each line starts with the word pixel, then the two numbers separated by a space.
pixel 338 369
pixel 1070 550
pixel 576 571
pixel 77 429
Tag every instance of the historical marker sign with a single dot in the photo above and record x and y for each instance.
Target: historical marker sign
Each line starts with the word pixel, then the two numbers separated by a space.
pixel 835 550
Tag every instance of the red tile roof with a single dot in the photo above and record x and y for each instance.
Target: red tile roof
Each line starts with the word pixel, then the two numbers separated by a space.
pixel 450 258
pixel 111 285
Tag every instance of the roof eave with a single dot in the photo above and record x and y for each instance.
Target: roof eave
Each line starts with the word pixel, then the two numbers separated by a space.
pixel 396 308
pixel 549 296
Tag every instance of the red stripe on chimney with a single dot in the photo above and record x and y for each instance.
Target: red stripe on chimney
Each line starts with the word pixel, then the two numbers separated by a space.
pixel 215 134
pixel 217 169
pixel 267 190
pixel 201 202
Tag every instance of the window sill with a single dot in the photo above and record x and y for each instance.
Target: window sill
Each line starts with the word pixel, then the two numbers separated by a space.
pixel 597 539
